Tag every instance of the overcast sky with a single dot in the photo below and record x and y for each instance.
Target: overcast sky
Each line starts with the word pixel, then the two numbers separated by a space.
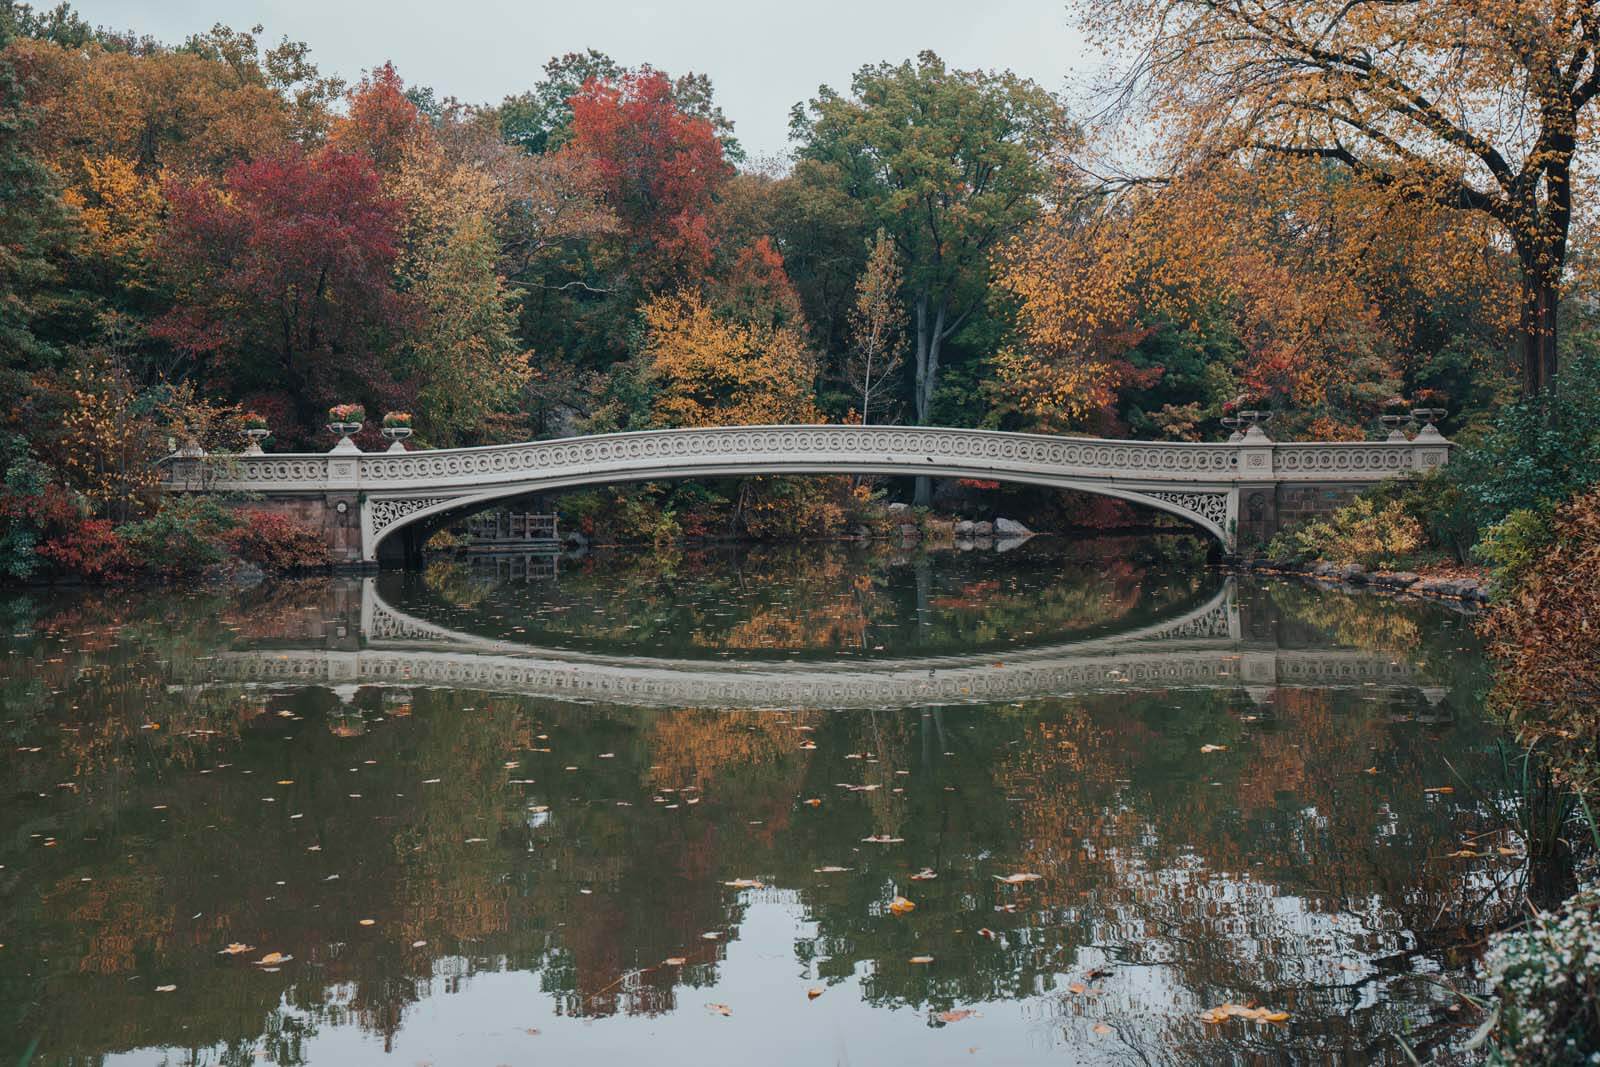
pixel 762 57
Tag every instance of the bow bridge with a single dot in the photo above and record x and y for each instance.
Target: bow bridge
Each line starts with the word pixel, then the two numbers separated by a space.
pixel 384 505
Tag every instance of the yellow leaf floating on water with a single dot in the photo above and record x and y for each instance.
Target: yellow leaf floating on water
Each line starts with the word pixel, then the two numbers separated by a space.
pixel 901 906
pixel 924 875
pixel 1101 1028
pixel 1239 1011
pixel 830 870
pixel 1441 789
pixel 1463 854
pixel 236 949
pixel 1018 878
pixel 745 883
pixel 882 839
pixel 369 922
pixel 165 988
pixel 814 992
pixel 272 958
pixel 1076 987
pixel 1213 748
pixel 720 1009
pixel 674 961
pixel 920 959
pixel 956 1015
pixel 813 802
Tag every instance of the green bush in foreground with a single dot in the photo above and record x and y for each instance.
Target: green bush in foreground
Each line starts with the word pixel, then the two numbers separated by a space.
pixel 1547 979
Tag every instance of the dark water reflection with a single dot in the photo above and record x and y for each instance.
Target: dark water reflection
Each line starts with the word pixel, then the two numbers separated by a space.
pixel 182 773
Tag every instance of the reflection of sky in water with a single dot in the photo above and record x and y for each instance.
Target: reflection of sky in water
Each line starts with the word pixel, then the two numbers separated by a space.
pixel 549 857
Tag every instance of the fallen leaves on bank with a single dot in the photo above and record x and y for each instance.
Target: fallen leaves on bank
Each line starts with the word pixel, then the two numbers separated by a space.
pixel 1225 1012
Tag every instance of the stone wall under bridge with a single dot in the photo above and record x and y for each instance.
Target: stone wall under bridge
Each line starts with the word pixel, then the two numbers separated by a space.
pixel 381 507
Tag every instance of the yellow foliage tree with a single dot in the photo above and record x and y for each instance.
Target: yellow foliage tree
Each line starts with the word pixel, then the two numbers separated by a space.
pixel 709 372
pixel 463 359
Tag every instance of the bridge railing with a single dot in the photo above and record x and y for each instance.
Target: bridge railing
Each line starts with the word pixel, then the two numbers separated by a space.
pixel 775 449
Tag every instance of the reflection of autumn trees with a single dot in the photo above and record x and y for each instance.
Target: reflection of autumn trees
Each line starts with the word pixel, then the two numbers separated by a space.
pixel 280 818
pixel 820 598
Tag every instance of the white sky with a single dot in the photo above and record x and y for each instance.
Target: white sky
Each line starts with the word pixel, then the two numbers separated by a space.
pixel 763 57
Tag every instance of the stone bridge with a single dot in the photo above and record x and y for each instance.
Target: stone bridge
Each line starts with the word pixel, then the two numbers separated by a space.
pixel 384 505
pixel 1206 647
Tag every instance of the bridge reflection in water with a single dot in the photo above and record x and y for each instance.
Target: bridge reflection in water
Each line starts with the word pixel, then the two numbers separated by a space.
pixel 1226 643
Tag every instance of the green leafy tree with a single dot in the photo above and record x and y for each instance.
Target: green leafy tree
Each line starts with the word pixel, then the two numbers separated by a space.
pixel 949 164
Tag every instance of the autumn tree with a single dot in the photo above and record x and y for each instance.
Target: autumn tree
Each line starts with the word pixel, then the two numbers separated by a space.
pixel 540 120
pixel 711 372
pixel 31 220
pixel 877 323
pixel 1479 107
pixel 949 163
pixel 658 167
pixel 461 357
pixel 284 275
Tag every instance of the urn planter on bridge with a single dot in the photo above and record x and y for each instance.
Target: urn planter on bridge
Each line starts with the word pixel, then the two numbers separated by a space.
pixel 346 420
pixel 396 427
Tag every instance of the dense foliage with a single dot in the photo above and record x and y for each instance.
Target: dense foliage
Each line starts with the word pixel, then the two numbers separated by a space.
pixel 205 231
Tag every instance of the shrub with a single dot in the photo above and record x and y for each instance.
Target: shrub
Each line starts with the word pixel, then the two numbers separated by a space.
pixel 1537 452
pixel 1513 545
pixel 1543 632
pixel 1369 531
pixel 183 538
pixel 276 543
pixel 92 550
pixel 1547 979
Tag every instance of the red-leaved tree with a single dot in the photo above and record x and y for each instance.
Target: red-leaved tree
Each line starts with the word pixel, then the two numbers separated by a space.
pixel 657 167
pixel 284 278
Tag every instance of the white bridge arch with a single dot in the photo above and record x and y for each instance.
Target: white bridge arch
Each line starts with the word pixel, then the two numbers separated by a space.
pixel 373 496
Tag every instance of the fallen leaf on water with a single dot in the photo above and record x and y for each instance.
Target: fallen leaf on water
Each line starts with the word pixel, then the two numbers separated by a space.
pixel 808 745
pixel 814 802
pixel 830 870
pixel 957 1015
pixel 745 883
pixel 1097 972
pixel 674 961
pixel 1225 1012
pixel 1508 851
pixel 900 906
pixel 1018 878
pixel 920 959
pixel 1076 987
pixel 1370 770
pixel 814 992
pixel 271 958
pixel 986 932
pixel 720 1009
pixel 165 988
pixel 369 922
pixel 1463 854
pixel 924 875
pixel 235 949
pixel 418 944
pixel 1101 1028
pixel 882 839
pixel 1213 748
pixel 286 781
pixel 710 935
pixel 1441 789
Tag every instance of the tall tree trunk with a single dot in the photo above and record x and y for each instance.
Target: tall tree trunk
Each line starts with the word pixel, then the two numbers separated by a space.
pixel 1541 299
pixel 930 336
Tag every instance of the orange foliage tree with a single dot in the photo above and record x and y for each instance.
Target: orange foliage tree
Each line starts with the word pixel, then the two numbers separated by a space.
pixel 1475 106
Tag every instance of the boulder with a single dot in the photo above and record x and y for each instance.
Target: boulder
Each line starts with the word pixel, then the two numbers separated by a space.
pixel 1011 528
pixel 964 528
pixel 1395 579
pixel 982 529
pixel 899 506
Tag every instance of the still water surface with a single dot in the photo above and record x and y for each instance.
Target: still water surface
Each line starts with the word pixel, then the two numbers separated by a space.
pixel 623 809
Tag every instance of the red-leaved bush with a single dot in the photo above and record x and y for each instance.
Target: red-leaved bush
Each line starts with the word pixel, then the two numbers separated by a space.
pixel 92 550
pixel 276 542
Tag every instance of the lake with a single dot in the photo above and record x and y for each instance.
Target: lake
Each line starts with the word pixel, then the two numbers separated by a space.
pixel 825 804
